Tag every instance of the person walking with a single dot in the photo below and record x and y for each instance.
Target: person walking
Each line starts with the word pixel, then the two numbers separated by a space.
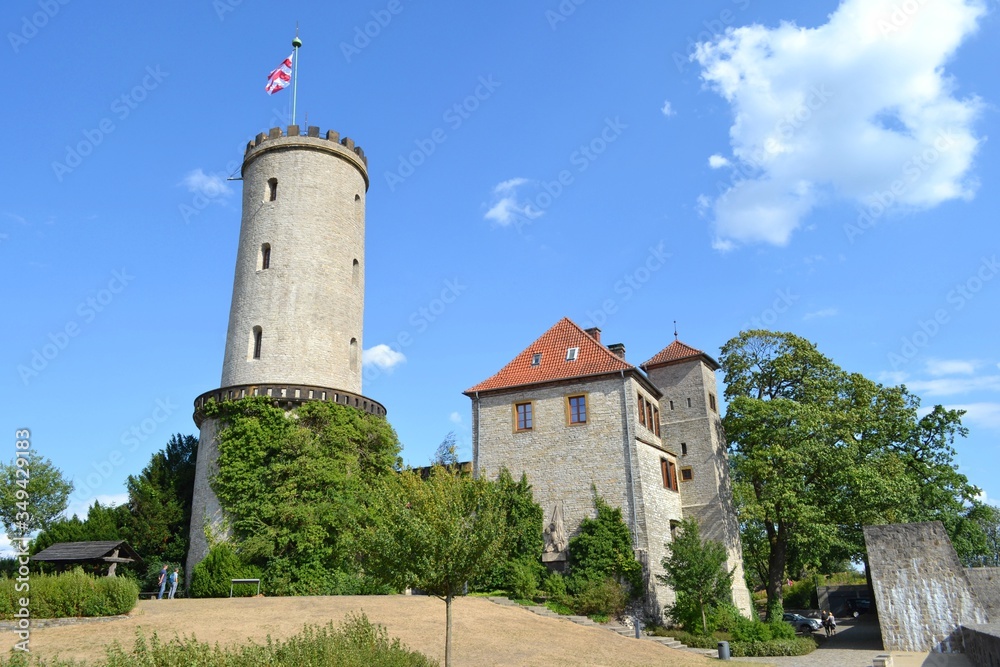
pixel 162 581
pixel 174 576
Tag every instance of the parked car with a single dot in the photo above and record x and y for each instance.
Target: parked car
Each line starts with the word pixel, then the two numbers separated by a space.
pixel 801 623
pixel 858 606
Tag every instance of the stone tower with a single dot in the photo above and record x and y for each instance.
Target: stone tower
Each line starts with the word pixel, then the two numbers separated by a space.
pixel 689 413
pixel 295 323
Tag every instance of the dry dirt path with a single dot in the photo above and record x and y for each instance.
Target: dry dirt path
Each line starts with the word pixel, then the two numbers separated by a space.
pixel 484 633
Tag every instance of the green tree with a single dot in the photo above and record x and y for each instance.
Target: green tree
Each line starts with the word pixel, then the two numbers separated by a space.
pixel 696 571
pixel 293 488
pixel 159 501
pixel 602 549
pixel 447 452
pixel 102 523
pixel 817 453
pixel 435 534
pixel 32 495
pixel 521 568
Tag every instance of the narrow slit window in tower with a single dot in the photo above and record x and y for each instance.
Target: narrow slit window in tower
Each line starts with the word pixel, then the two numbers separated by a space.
pixel 265 256
pixel 257 335
pixel 354 354
pixel 272 189
pixel 356 273
pixel 357 207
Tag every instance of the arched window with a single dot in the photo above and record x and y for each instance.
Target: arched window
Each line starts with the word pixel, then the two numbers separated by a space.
pixel 264 261
pixel 356 273
pixel 255 338
pixel 272 189
pixel 354 354
pixel 358 209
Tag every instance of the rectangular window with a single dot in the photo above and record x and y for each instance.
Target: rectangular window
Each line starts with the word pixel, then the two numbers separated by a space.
pixel 671 405
pixel 711 402
pixel 689 402
pixel 642 412
pixel 687 474
pixel 669 471
pixel 684 449
pixel 577 409
pixel 571 353
pixel 656 421
pixel 536 359
pixel 525 421
pixel 649 415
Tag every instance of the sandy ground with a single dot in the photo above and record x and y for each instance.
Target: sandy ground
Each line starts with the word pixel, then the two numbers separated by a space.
pixel 484 633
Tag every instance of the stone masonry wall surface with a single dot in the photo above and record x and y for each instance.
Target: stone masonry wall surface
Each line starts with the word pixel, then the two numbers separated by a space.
pixel 205 508
pixel 707 497
pixel 562 462
pixel 986 584
pixel 310 302
pixel 982 644
pixel 921 590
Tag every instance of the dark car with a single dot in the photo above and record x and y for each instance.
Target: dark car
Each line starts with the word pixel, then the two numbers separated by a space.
pixel 858 606
pixel 801 623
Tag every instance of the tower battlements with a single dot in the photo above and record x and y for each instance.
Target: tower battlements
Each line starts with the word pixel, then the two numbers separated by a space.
pixel 293 136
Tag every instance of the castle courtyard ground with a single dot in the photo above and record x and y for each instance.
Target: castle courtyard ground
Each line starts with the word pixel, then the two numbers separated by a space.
pixel 484 633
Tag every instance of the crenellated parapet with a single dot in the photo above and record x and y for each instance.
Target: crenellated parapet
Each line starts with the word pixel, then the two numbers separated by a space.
pixel 312 136
pixel 287 395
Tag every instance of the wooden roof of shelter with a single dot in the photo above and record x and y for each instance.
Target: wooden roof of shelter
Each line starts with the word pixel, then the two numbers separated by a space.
pixel 88 552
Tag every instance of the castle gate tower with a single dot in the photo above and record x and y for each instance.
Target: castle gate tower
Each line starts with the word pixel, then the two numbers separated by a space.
pixel 295 323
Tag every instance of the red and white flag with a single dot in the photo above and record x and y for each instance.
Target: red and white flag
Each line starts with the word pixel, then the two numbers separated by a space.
pixel 279 77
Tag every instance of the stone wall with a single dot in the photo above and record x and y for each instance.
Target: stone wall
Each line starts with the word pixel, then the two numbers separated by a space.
pixel 309 302
pixel 982 644
pixel 205 508
pixel 695 433
pixel 921 589
pixel 986 584
pixel 564 463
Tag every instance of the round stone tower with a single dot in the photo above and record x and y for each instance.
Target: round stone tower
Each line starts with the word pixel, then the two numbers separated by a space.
pixel 295 324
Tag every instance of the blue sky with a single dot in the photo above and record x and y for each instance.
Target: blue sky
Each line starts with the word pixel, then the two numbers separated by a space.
pixel 819 168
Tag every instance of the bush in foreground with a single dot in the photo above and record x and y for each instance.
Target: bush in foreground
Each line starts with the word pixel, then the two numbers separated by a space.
pixel 356 643
pixel 70 594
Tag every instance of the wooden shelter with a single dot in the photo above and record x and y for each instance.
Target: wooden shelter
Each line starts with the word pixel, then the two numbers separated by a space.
pixel 72 553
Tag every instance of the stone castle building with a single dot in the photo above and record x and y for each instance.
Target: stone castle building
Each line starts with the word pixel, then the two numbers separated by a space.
pixel 295 323
pixel 575 416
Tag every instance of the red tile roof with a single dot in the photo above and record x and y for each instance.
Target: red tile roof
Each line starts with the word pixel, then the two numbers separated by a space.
pixel 675 352
pixel 592 359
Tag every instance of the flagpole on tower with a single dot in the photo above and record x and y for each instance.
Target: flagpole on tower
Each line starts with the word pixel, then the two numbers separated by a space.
pixel 296 43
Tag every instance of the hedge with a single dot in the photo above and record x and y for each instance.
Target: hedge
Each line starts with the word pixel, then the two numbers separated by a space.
pixel 69 594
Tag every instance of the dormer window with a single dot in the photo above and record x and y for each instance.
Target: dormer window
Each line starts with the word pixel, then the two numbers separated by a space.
pixel 536 359
pixel 571 353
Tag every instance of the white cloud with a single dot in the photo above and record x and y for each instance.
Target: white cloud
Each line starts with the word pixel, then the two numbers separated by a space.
pixel 455 418
pixel 954 385
pixel 938 367
pixel 507 208
pixel 209 185
pixel 668 109
pixel 857 108
pixel 717 161
pixel 825 312
pixel 382 356
pixel 986 415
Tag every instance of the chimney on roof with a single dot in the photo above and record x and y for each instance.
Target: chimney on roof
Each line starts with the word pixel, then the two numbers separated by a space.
pixel 594 333
pixel 618 349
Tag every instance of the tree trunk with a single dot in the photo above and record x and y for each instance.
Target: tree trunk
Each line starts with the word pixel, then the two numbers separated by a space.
pixel 704 621
pixel 447 633
pixel 776 569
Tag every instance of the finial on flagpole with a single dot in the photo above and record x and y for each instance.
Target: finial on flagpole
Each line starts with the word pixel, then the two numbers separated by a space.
pixel 675 329
pixel 296 43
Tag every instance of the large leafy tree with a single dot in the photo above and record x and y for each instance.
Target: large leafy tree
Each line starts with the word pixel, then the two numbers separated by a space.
pixel 32 494
pixel 817 453
pixel 435 534
pixel 696 571
pixel 293 487
pixel 159 501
